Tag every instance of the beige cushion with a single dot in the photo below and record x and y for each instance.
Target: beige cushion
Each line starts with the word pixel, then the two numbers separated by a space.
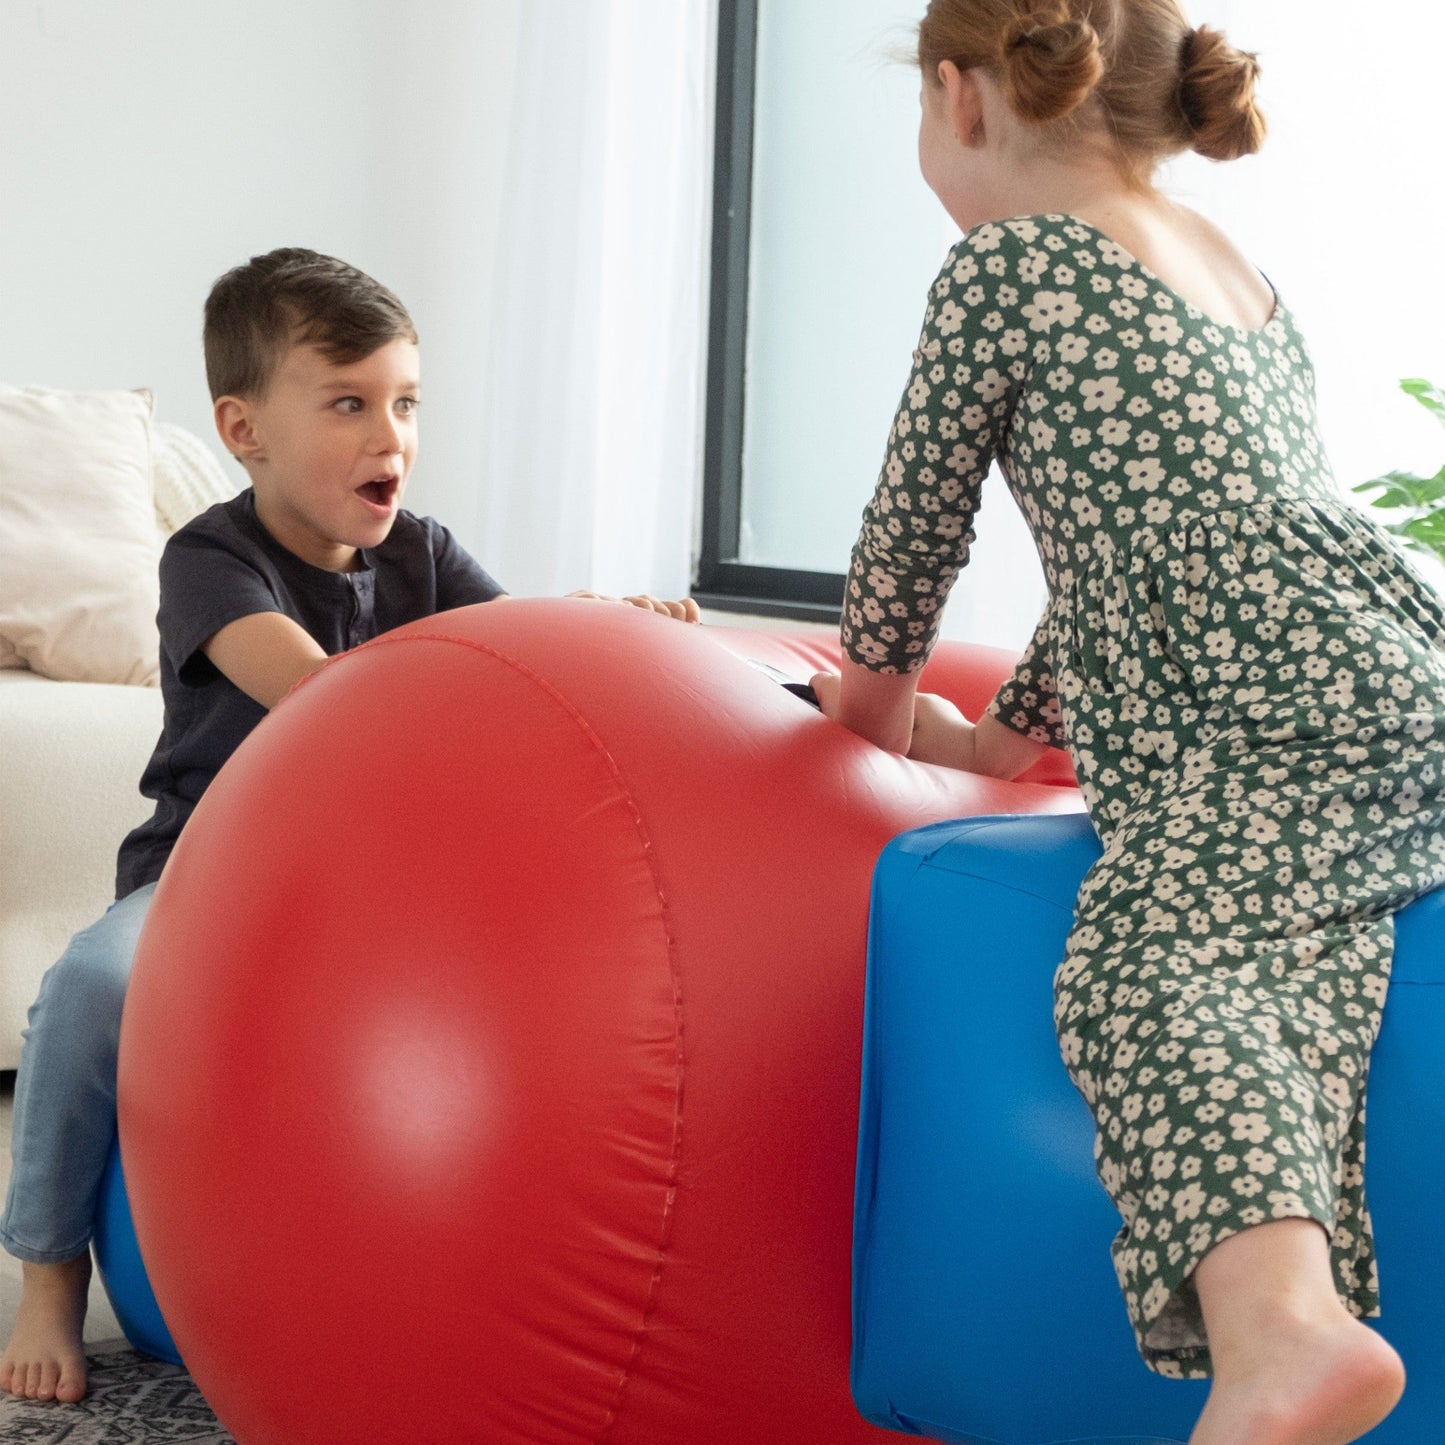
pixel 187 476
pixel 79 547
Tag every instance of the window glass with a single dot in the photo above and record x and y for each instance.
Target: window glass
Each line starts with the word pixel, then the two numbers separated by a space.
pixel 845 241
pixel 1342 210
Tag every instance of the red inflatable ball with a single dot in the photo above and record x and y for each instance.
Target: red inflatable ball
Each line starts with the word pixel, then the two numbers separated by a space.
pixel 490 1068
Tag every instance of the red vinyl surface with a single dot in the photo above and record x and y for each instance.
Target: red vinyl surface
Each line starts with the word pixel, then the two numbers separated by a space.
pixel 490 1067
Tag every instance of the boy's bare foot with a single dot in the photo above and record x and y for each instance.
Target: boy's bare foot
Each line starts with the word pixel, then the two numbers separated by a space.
pixel 1320 1384
pixel 45 1359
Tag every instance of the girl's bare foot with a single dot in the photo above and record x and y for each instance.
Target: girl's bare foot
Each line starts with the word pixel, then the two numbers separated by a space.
pixel 45 1359
pixel 1318 1384
pixel 1291 1365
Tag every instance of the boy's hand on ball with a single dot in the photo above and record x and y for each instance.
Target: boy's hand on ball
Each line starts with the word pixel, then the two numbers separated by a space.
pixel 685 610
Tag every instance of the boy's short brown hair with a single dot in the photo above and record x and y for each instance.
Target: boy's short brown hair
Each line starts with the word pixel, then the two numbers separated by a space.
pixel 293 296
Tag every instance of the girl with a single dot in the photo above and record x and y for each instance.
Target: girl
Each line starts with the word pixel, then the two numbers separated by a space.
pixel 1249 679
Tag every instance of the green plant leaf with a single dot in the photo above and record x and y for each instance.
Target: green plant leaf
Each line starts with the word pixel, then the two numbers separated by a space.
pixel 1430 545
pixel 1405 489
pixel 1422 499
pixel 1427 394
pixel 1430 489
pixel 1390 494
pixel 1392 499
pixel 1429 529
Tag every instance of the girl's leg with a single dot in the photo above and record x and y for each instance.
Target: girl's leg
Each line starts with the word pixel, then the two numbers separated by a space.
pixel 64 1126
pixel 1291 1365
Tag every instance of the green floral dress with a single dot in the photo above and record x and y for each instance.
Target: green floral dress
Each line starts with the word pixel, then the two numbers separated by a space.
pixel 1251 683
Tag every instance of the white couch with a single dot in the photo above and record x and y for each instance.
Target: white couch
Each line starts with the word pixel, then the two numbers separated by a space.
pixel 71 754
pixel 71 757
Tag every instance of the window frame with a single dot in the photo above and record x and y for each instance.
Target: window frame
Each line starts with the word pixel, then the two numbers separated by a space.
pixel 722 581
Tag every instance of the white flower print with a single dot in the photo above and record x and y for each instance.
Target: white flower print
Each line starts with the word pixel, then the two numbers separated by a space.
pixel 1202 408
pixel 1165 329
pixel 965 268
pixel 950 318
pixel 1101 393
pixel 992 384
pixel 1032 268
pixel 1144 473
pixel 1208 1060
pixel 1251 1128
pixel 1189 1201
pixel 1052 308
pixel 1041 434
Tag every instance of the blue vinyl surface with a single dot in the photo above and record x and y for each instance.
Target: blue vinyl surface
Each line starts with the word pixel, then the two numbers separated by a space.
pixel 121 1270
pixel 985 1309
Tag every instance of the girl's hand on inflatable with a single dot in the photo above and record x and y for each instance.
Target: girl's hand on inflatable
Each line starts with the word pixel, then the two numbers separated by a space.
pixel 941 734
pixel 825 687
pixel 683 611
pixel 876 707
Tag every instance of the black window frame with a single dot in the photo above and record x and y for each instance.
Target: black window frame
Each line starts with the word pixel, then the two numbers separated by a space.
pixel 723 582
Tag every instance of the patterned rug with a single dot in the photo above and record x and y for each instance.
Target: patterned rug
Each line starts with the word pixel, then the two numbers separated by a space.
pixel 133 1400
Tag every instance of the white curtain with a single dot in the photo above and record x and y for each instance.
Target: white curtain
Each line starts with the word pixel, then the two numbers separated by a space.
pixel 591 428
pixel 593 408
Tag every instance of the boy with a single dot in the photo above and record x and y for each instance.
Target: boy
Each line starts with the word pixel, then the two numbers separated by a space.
pixel 313 368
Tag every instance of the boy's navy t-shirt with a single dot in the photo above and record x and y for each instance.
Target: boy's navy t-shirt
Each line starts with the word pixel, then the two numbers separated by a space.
pixel 225 565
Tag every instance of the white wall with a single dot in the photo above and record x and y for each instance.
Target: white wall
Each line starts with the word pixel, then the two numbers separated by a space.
pixel 1343 209
pixel 146 146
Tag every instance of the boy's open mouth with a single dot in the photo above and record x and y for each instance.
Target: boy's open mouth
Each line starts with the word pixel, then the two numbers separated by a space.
pixel 380 491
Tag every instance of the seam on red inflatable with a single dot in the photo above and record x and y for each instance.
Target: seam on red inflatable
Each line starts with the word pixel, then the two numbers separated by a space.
pixel 654 1291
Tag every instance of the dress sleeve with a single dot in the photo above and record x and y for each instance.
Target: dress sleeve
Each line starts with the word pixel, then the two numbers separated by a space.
pixel 1028 702
pixel 967 373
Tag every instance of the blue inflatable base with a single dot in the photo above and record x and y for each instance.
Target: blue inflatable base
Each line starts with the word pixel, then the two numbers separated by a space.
pixel 985 1309
pixel 121 1271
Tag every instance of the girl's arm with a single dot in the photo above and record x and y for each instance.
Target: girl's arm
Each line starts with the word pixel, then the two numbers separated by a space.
pixel 888 710
pixel 942 734
pixel 877 706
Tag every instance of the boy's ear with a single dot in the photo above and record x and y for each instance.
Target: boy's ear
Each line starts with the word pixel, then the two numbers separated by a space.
pixel 236 426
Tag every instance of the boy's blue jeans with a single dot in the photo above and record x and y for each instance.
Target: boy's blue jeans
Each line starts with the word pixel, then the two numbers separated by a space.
pixel 65 1091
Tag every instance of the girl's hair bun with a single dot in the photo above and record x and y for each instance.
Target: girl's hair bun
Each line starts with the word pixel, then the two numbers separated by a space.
pixel 1216 96
pixel 1049 63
